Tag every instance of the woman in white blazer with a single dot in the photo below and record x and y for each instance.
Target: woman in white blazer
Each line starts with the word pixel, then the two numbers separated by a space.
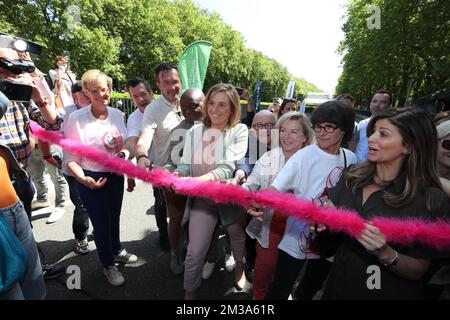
pixel 210 152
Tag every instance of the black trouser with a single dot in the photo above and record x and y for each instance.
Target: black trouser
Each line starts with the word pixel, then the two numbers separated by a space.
pixel 160 211
pixel 316 273
pixel 288 269
pixel 286 273
pixel 104 206
pixel 80 222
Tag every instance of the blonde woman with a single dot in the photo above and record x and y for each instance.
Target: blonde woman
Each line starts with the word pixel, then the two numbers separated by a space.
pixel 210 152
pixel 101 191
pixel 267 228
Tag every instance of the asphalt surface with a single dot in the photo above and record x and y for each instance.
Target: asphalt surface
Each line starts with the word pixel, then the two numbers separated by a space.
pixel 150 278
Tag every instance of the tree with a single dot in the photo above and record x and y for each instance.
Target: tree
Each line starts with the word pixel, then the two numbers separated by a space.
pixel 130 37
pixel 409 51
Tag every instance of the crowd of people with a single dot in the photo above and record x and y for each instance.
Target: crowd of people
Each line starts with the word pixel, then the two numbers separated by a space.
pixel 392 164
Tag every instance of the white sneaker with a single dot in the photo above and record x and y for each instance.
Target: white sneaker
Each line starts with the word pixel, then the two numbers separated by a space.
pixel 114 276
pixel 208 269
pixel 82 246
pixel 125 257
pixel 229 262
pixel 39 204
pixel 56 214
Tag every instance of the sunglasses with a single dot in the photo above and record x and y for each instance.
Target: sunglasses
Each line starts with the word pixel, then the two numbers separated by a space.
pixel 445 144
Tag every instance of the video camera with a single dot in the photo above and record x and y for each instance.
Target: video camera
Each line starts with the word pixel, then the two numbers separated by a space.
pixel 19 44
pixel 15 91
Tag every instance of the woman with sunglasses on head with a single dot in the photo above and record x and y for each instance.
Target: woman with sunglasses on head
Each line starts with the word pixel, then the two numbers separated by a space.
pixel 295 133
pixel 399 180
pixel 307 174
pixel 101 191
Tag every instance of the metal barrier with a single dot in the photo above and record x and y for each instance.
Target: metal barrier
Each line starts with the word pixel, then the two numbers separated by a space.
pixel 123 104
pixel 126 106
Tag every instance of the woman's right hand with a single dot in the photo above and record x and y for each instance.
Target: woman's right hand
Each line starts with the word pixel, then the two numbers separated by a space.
pixel 144 163
pixel 317 227
pixel 177 174
pixel 255 211
pixel 321 227
pixel 92 184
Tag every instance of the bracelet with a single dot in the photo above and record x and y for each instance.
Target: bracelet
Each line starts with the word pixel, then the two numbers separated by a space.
pixel 47 157
pixel 42 104
pixel 141 156
pixel 391 262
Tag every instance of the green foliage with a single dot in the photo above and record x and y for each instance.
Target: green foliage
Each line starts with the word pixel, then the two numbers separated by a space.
pixel 130 37
pixel 409 50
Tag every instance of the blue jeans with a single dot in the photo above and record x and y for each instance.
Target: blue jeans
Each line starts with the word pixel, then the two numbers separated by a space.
pixel 103 206
pixel 32 284
pixel 80 222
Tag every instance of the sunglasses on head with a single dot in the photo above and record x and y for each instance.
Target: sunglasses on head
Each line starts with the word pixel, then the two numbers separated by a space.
pixel 445 144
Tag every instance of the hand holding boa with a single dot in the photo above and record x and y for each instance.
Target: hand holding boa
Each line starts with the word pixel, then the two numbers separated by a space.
pixel 404 231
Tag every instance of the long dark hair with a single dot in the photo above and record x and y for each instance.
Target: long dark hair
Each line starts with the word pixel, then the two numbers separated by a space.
pixel 418 132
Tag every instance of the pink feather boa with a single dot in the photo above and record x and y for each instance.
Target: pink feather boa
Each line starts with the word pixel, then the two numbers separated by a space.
pixel 403 231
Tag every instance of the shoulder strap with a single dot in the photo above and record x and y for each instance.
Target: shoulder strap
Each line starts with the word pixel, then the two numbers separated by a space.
pixel 345 158
pixel 70 78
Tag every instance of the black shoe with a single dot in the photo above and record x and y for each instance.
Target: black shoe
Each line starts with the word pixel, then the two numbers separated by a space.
pixel 164 243
pixel 248 273
pixel 51 271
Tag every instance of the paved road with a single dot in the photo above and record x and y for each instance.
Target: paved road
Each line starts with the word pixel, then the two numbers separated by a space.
pixel 149 278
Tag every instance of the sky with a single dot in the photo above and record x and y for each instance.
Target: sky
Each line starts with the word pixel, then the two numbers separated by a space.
pixel 303 35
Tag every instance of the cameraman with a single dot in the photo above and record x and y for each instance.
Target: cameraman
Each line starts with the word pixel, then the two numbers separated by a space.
pixel 15 125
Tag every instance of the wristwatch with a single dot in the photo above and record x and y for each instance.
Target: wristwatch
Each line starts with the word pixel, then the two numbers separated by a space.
pixel 392 262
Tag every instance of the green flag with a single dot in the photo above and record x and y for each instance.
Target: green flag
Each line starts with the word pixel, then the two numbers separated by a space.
pixel 193 64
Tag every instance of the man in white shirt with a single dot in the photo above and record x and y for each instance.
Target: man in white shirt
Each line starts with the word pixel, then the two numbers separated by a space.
pixel 80 221
pixel 142 95
pixel 160 118
pixel 381 101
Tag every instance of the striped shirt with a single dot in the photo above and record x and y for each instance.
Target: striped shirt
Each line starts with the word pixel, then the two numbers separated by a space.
pixel 15 126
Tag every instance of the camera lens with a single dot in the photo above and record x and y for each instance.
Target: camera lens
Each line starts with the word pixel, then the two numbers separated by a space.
pixel 19 45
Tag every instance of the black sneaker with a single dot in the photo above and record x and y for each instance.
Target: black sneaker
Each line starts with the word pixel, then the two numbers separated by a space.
pixel 164 244
pixel 248 273
pixel 51 271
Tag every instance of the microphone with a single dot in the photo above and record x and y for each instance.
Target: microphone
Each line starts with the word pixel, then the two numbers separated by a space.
pixel 4 102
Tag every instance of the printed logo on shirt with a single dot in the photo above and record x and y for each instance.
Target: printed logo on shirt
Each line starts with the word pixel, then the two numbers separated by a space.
pixel 332 180
pixel 112 141
pixel 306 238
